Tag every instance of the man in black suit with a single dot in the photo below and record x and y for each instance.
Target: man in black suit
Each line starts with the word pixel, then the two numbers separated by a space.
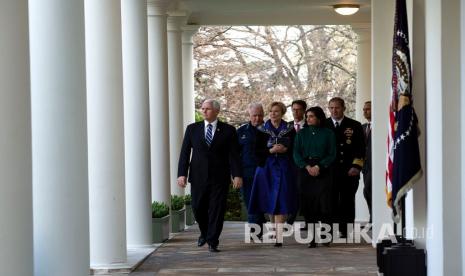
pixel 350 146
pixel 298 112
pixel 367 164
pixel 215 158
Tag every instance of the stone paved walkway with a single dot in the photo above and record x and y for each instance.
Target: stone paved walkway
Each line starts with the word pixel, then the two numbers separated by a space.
pixel 181 256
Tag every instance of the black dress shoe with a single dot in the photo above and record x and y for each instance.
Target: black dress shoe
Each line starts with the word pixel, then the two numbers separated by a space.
pixel 213 249
pixel 312 244
pixel 278 244
pixel 201 242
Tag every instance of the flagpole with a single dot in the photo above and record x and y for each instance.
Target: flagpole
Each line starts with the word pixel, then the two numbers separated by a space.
pixel 402 236
pixel 403 233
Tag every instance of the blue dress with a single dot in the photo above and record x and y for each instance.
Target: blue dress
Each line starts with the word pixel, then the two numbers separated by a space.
pixel 274 189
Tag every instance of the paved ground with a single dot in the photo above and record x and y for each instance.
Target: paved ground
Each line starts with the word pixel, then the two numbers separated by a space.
pixel 181 256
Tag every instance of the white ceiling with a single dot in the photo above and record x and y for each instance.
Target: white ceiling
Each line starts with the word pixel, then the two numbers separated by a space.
pixel 271 12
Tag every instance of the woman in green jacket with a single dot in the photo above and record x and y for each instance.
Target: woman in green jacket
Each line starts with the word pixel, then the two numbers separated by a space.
pixel 314 152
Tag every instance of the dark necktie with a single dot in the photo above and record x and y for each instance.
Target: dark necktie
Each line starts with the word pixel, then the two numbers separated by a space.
pixel 368 130
pixel 209 136
pixel 336 125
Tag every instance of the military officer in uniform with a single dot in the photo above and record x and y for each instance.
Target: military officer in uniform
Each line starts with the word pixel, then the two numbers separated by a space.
pixel 247 135
pixel 350 146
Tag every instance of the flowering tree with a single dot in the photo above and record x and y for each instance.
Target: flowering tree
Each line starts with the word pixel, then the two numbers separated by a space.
pixel 243 64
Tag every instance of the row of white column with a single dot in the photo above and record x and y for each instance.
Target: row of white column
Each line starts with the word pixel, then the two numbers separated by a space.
pixel 88 109
pixel 363 94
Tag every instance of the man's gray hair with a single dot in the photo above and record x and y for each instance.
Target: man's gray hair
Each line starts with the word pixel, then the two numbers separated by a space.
pixel 255 105
pixel 215 103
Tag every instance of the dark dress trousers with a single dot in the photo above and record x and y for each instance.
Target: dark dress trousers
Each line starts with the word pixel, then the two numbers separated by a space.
pixel 367 167
pixel 210 169
pixel 350 152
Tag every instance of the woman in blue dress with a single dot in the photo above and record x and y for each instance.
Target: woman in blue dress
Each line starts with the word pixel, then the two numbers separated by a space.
pixel 274 188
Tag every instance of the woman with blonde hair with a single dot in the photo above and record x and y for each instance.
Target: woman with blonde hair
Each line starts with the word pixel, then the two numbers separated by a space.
pixel 274 189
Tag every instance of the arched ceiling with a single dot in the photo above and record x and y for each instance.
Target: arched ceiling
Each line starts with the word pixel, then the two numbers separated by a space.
pixel 272 12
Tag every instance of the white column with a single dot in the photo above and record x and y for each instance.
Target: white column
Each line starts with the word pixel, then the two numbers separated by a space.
pixel 175 21
pixel 434 174
pixel 106 136
pixel 136 122
pixel 417 46
pixel 363 94
pixel 443 169
pixel 382 16
pixel 158 92
pixel 16 256
pixel 363 68
pixel 59 138
pixel 188 95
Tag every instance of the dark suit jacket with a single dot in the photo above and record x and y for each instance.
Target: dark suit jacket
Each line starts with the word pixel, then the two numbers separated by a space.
pixel 367 164
pixel 209 165
pixel 350 143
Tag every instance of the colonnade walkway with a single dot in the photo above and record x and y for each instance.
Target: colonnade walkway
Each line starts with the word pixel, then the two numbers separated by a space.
pixel 181 256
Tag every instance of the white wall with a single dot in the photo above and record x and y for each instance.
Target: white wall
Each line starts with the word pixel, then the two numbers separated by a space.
pixel 434 245
pixel 15 141
pixel 382 32
pixel 462 124
pixel 417 38
pixel 443 137
pixel 451 136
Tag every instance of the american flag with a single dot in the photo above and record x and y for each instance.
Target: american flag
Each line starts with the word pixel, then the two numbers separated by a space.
pixel 403 158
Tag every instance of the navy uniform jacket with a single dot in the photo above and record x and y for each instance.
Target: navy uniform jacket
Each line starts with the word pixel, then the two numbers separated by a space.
pixel 350 143
pixel 247 135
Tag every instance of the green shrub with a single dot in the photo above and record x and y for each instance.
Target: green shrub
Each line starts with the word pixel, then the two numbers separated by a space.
pixel 177 202
pixel 187 199
pixel 198 116
pixel 159 209
pixel 233 205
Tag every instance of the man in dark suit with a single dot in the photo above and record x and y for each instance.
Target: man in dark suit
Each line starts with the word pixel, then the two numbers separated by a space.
pixel 215 158
pixel 367 164
pixel 298 108
pixel 350 147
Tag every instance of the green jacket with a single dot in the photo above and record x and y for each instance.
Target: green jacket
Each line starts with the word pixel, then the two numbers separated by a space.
pixel 316 143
